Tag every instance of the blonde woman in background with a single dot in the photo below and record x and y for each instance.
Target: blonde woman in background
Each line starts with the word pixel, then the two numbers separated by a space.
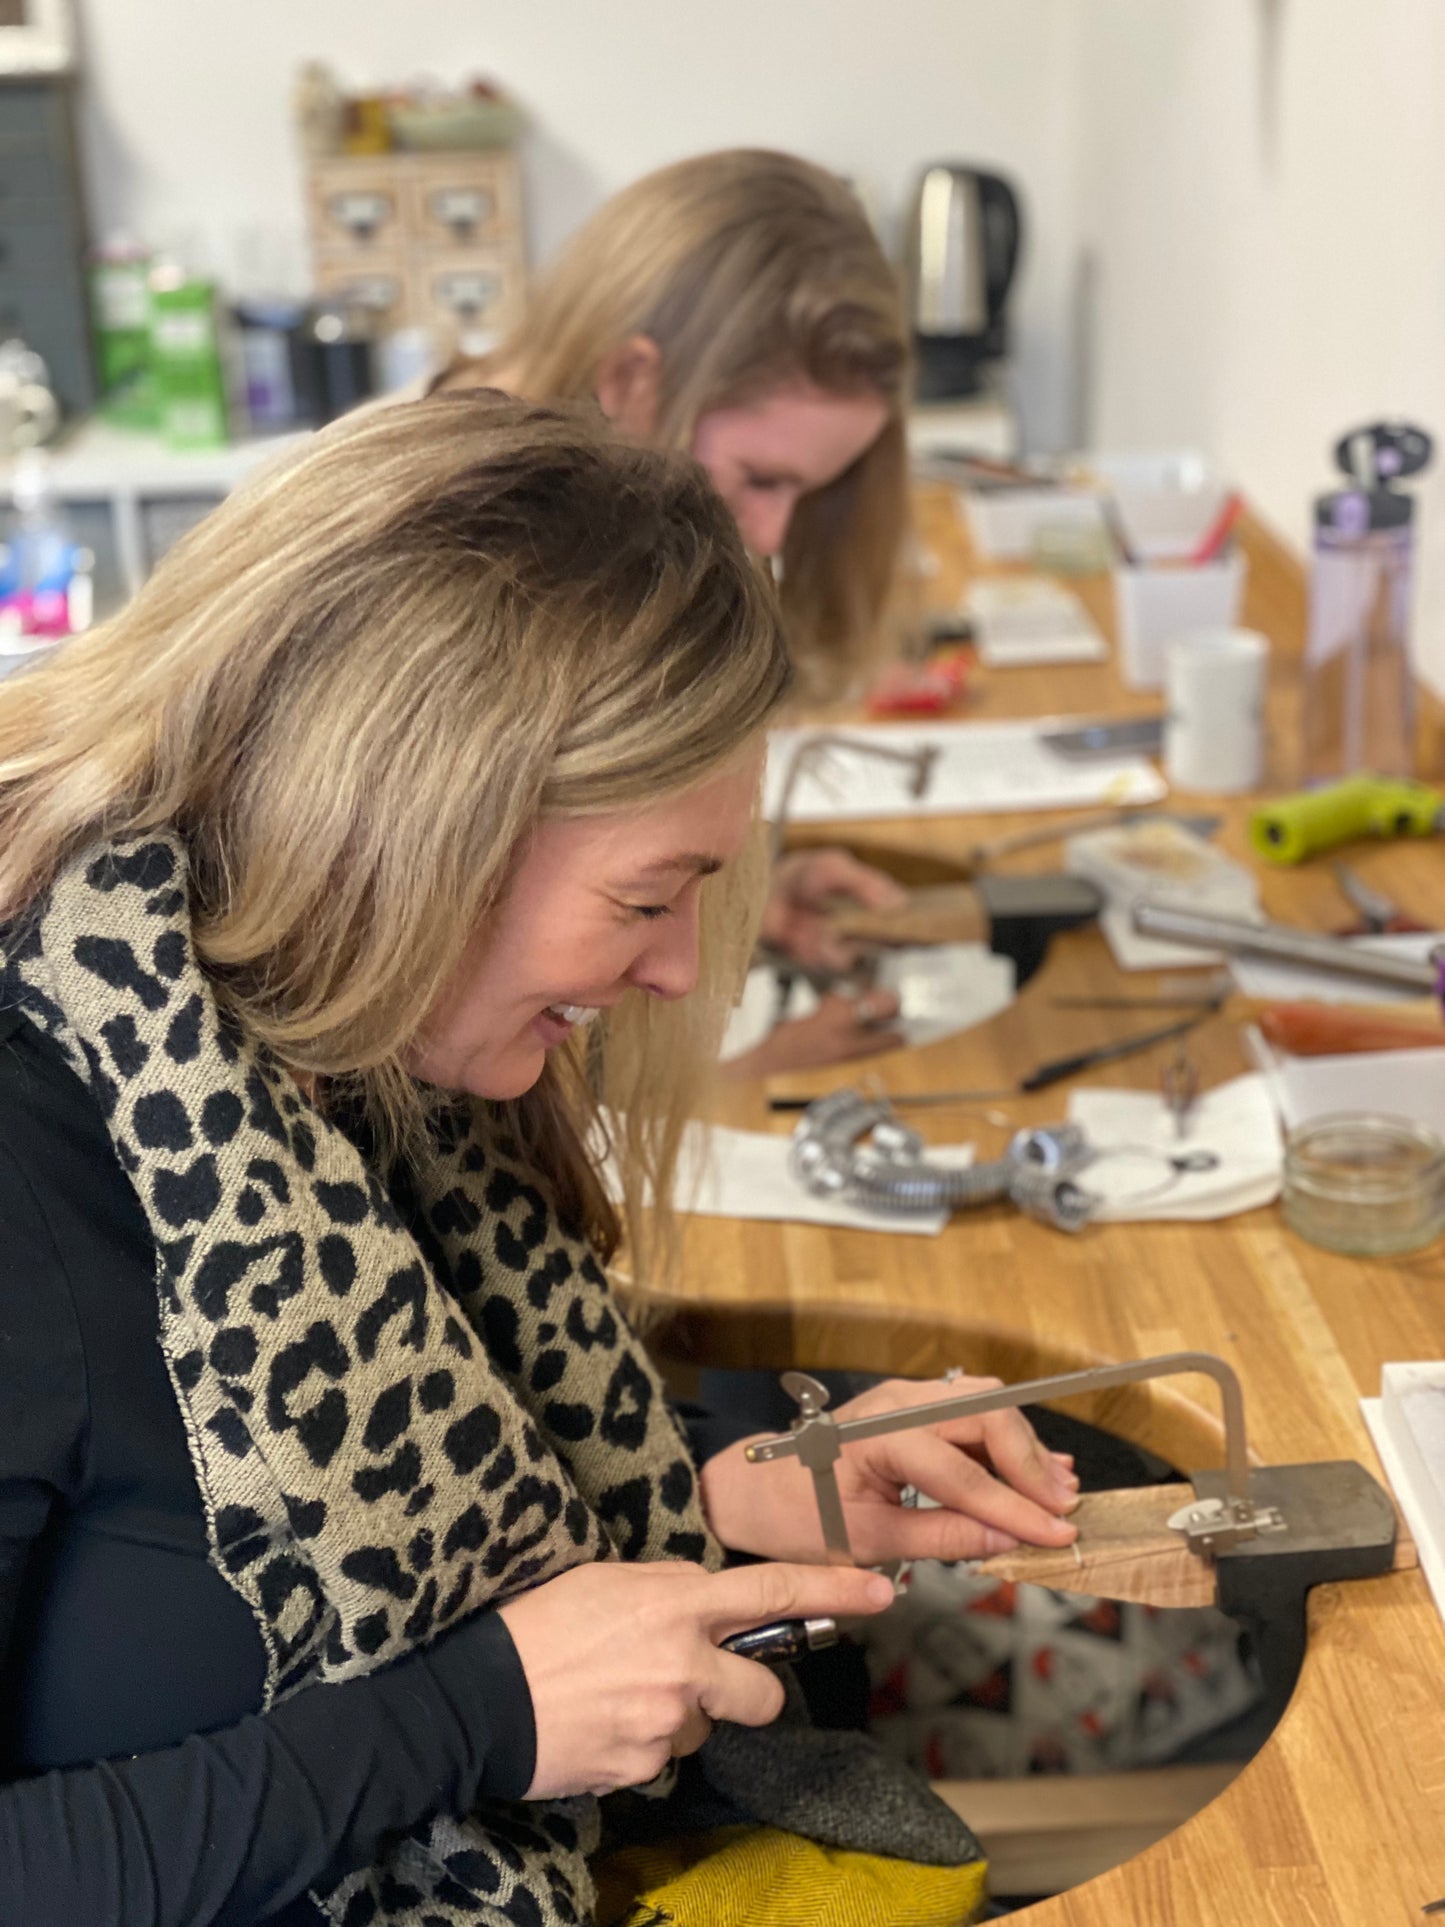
pixel 738 305
pixel 346 1533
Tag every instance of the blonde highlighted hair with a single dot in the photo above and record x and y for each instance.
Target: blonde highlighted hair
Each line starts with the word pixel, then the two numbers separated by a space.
pixel 750 270
pixel 354 690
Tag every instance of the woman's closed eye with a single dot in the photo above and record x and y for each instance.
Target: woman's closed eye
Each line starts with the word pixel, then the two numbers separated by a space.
pixel 645 902
pixel 685 878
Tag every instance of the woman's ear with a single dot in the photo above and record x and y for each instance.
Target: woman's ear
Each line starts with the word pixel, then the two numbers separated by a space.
pixel 628 381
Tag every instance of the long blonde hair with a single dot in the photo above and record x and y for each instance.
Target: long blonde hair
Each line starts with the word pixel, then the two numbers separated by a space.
pixel 750 269
pixel 355 688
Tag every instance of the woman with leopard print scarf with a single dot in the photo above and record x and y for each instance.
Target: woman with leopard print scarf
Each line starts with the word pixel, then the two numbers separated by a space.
pixel 398 834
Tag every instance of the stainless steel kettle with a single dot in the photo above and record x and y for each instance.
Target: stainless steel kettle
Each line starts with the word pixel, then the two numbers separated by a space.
pixel 961 251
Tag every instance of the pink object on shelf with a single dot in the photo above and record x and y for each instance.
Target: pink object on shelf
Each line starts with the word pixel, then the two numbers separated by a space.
pixel 45 613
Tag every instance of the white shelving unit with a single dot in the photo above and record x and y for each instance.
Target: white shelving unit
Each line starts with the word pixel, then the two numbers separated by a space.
pixel 137 479
pixel 151 494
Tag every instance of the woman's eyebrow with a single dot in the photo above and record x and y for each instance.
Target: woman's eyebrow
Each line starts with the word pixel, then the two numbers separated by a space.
pixel 703 866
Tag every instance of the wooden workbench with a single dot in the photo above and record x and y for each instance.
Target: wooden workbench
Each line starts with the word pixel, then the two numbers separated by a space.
pixel 1340 1820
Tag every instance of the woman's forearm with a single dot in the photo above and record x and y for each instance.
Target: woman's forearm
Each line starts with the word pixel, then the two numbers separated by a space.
pixel 228 1827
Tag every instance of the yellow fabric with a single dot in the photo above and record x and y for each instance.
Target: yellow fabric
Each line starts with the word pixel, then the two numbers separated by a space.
pixel 761 1877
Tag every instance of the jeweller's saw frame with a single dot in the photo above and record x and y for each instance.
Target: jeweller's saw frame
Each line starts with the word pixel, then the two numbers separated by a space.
pixel 1270 1532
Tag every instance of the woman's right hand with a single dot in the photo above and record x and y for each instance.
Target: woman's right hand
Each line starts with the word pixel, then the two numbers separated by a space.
pixel 624 1666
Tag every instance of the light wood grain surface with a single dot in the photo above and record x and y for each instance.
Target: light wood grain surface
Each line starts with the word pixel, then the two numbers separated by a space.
pixel 1126 1550
pixel 1086 1824
pixel 1340 1820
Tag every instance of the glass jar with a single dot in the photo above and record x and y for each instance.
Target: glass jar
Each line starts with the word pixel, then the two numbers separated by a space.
pixel 1365 1184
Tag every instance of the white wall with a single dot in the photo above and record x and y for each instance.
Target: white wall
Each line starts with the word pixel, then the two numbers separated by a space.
pixel 187 130
pixel 1262 183
pixel 1267 234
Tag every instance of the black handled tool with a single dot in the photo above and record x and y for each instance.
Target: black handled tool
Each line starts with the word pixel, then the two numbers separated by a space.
pixel 1058 1068
pixel 783 1639
pixel 1039 1079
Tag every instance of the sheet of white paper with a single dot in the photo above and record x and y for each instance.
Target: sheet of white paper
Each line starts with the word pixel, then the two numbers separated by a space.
pixel 744 1174
pixel 1414 1501
pixel 1285 983
pixel 980 767
pixel 1049 646
pixel 1397 1083
pixel 1235 1121
pixel 1025 620
pixel 1413 1397
pixel 1269 1065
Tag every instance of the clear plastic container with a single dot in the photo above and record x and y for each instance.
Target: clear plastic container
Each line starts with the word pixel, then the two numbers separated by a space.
pixel 1359 689
pixel 1365 1184
pixel 1359 707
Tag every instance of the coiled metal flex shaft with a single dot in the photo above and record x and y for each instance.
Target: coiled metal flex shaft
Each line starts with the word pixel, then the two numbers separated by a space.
pixel 851 1146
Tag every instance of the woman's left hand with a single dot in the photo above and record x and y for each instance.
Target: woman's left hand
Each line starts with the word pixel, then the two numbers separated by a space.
pixel 771 1510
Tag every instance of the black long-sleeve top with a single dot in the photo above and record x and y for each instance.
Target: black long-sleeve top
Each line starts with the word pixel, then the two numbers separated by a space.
pixel 140 1785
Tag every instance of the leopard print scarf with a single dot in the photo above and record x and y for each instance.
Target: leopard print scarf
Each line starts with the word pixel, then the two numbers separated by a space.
pixel 379 1452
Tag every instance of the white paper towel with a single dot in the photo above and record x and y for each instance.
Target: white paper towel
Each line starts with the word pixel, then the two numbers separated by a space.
pixel 725 1173
pixel 1235 1121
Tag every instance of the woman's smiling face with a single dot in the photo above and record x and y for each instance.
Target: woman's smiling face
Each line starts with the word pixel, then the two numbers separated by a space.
pixel 598 905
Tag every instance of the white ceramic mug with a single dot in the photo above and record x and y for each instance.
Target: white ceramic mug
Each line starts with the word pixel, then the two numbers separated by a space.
pixel 1214 681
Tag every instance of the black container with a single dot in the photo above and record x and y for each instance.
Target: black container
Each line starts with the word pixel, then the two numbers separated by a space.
pixel 334 367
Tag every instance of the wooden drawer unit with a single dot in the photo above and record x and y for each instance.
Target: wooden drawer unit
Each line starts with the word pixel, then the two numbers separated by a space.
pixel 466 289
pixel 358 204
pixel 371 278
pixel 465 200
pixel 430 240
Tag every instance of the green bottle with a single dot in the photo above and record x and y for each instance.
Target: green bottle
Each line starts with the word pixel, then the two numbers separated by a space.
pixel 120 306
pixel 186 364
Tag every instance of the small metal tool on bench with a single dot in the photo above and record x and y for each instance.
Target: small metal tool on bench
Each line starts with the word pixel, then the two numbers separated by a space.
pixel 1271 1532
pixel 1179 1087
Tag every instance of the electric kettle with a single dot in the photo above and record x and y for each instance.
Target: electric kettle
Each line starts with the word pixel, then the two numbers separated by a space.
pixel 961 251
